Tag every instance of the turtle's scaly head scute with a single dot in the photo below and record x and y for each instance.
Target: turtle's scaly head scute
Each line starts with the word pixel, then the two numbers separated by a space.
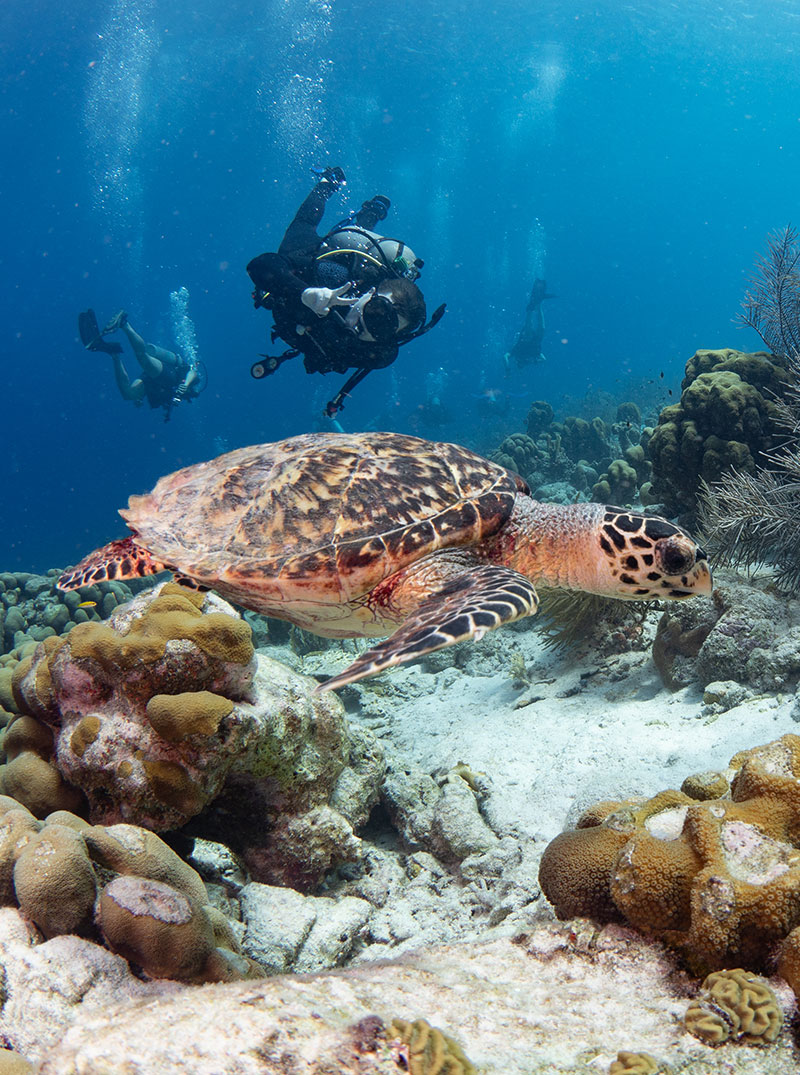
pixel 611 551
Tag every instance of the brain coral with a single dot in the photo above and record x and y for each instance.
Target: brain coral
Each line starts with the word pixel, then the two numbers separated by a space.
pixel 427 1050
pixel 725 418
pixel 165 708
pixel 717 879
pixel 637 1064
pixel 734 1004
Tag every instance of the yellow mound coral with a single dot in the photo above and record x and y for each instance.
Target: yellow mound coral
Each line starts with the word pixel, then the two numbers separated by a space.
pixel 734 1004
pixel 54 881
pixel 718 879
pixel 142 707
pixel 178 716
pixel 28 775
pixel 429 1051
pixel 637 1064
pixel 175 613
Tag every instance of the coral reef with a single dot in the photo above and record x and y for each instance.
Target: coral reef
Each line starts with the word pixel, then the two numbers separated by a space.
pixel 727 417
pixel 719 879
pixel 32 609
pixel 575 457
pixel 539 1005
pixel 427 1050
pixel 165 708
pixel 97 688
pixel 751 513
pixel 734 1004
pixel 121 886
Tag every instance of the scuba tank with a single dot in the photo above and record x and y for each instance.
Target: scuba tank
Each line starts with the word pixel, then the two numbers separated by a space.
pixel 354 253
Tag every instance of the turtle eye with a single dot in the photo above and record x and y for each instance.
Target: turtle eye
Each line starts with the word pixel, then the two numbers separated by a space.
pixel 676 554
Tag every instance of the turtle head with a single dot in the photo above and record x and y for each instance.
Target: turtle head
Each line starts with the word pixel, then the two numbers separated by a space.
pixel 647 558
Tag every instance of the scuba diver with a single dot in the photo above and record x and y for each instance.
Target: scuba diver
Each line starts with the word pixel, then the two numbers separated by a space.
pixel 527 347
pixel 166 379
pixel 346 300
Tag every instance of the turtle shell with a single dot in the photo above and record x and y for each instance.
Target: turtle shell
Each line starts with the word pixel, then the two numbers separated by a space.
pixel 323 516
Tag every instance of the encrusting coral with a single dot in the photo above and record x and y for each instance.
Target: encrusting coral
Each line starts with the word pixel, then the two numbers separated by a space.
pixel 718 879
pixel 734 1004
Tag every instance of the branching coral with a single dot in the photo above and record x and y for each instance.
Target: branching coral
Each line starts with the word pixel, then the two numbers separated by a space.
pixel 752 518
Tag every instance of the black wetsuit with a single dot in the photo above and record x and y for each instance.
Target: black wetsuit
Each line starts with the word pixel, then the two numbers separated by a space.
pixel 160 390
pixel 326 343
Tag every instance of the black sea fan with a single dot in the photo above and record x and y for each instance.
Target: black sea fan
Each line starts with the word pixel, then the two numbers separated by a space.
pixel 755 518
pixel 772 302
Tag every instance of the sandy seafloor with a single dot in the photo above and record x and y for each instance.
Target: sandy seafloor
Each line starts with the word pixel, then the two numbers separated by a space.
pixel 552 732
pixel 585 728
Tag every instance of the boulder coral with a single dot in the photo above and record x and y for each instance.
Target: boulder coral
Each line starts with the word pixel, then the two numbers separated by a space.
pixel 122 886
pixel 726 417
pixel 28 774
pixel 717 879
pixel 165 933
pixel 165 709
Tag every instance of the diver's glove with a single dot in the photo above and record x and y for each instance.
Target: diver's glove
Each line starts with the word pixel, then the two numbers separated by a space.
pixel 356 311
pixel 321 299
pixel 331 179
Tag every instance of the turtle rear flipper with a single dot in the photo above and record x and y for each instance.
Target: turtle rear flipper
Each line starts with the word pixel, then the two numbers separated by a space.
pixel 118 560
pixel 466 607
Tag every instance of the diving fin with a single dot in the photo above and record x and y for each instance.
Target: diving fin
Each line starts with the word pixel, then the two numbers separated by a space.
pixel 92 337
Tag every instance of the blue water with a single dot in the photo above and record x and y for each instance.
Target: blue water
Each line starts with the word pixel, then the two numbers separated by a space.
pixel 636 155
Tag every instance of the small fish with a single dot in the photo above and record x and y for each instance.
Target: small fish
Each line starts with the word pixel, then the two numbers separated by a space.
pixel 87 604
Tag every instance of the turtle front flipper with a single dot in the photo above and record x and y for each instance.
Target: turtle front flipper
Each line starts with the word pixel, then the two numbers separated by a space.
pixel 121 559
pixel 468 606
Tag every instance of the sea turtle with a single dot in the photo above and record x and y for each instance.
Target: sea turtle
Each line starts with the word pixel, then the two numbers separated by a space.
pixel 364 534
